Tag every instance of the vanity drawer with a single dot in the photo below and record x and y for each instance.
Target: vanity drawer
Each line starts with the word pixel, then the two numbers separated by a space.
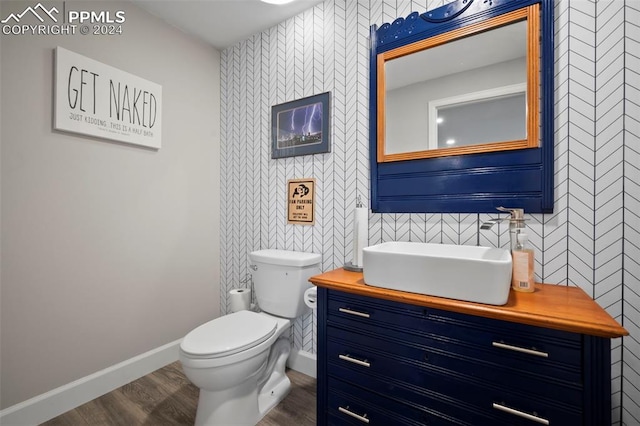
pixel 513 345
pixel 376 353
pixel 428 403
pixel 422 366
pixel 349 404
pixel 505 359
pixel 467 400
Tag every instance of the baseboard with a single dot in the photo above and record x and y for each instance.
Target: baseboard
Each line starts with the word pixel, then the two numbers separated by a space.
pixel 48 405
pixel 302 361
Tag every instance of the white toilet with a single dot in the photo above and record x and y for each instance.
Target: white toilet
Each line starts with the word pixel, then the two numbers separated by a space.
pixel 238 360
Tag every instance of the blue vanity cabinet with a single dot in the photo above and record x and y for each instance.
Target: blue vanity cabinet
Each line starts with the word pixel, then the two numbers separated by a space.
pixel 383 362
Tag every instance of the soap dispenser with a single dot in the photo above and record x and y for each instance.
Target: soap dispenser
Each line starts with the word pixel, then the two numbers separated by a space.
pixel 522 278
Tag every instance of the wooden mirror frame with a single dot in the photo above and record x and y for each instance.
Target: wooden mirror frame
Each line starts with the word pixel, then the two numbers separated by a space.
pixel 474 182
pixel 532 16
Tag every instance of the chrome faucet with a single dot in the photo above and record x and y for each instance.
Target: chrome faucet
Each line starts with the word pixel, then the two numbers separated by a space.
pixel 516 223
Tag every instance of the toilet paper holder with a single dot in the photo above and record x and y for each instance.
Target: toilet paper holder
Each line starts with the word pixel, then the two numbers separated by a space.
pixel 360 236
pixel 311 297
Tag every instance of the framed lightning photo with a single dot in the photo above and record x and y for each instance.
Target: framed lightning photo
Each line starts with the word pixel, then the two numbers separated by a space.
pixel 300 127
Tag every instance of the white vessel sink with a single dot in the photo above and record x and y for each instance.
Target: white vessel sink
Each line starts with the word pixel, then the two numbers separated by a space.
pixel 470 273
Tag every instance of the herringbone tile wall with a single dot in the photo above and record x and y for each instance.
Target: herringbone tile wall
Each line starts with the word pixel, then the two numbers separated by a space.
pixel 631 214
pixel 592 239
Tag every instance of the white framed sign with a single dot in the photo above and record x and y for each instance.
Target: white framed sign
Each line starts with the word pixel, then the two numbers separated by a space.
pixel 95 99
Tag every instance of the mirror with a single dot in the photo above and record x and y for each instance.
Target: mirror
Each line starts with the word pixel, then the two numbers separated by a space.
pixel 494 144
pixel 471 90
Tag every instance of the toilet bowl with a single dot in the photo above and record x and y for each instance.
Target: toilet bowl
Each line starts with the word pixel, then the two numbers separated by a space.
pixel 238 360
pixel 228 359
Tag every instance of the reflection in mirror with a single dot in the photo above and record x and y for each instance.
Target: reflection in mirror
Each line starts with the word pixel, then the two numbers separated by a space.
pixel 493 115
pixel 468 91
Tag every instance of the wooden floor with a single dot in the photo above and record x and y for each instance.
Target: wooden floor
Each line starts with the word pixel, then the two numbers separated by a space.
pixel 166 397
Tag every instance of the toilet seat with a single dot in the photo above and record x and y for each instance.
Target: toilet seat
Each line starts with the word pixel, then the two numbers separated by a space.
pixel 228 335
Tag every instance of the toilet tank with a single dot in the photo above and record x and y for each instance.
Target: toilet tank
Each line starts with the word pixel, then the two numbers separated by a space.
pixel 280 278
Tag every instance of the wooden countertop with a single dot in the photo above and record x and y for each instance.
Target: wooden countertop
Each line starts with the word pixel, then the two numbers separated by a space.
pixel 551 306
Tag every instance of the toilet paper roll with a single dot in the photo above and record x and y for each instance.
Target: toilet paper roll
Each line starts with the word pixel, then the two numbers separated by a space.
pixel 310 297
pixel 239 299
pixel 360 235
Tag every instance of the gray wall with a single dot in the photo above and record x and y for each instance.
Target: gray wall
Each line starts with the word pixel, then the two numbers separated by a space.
pixel 591 239
pixel 108 250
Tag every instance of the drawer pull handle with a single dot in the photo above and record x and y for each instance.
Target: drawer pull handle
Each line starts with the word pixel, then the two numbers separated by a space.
pixel 346 411
pixel 519 349
pixel 520 414
pixel 349 311
pixel 364 363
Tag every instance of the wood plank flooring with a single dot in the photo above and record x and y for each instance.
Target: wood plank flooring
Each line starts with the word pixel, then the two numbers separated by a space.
pixel 166 398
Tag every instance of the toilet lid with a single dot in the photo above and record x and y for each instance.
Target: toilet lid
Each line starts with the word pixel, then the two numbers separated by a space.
pixel 228 334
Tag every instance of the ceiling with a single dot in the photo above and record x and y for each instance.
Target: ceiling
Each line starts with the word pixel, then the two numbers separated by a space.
pixel 223 23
